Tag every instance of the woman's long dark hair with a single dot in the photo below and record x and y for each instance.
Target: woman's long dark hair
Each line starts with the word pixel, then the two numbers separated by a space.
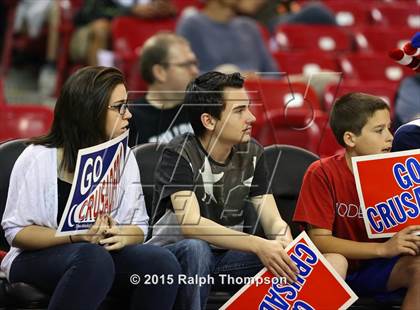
pixel 80 112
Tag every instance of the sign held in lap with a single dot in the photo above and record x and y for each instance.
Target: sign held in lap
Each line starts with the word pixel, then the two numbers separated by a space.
pixel 388 186
pixel 95 187
pixel 318 285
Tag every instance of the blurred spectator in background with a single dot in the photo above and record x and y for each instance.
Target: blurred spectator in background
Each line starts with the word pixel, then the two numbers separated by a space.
pixel 31 16
pixel 271 13
pixel 218 37
pixel 93 23
pixel 167 64
pixel 407 102
pixel 48 75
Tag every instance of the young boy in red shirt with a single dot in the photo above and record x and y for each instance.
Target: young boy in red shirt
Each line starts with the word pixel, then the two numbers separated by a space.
pixel 329 206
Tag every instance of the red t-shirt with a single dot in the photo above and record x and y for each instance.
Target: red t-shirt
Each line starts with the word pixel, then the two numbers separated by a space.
pixel 328 199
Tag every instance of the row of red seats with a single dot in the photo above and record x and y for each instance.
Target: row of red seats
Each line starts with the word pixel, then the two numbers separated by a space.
pixel 332 39
pixel 292 116
pixel 289 37
pixel 292 113
pixel 352 66
pixel 286 113
pixel 359 13
pixel 328 47
pixel 297 120
pixel 24 121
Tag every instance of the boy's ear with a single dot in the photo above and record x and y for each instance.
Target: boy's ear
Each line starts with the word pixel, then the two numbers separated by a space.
pixel 349 139
pixel 208 121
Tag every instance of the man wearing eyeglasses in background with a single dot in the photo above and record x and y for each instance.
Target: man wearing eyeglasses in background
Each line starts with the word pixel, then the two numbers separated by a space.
pixel 167 64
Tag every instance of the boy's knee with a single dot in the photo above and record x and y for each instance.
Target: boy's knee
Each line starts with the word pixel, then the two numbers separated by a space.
pixel 339 263
pixel 338 259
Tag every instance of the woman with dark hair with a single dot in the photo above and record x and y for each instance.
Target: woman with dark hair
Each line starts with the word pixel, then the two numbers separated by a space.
pixel 80 270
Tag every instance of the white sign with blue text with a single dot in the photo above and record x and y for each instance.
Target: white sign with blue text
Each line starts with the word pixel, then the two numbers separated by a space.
pixel 95 188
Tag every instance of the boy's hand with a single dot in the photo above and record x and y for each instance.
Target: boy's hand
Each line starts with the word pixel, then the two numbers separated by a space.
pixel 275 258
pixel 402 243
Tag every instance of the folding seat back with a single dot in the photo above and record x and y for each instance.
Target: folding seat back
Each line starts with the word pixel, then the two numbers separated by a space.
pixel 148 156
pixel 2 95
pixel 24 121
pixel 18 295
pixel 371 67
pixel 281 95
pixel 286 113
pixel 288 165
pixel 298 130
pixel 327 144
pixel 181 5
pixel 380 39
pixel 129 33
pixel 313 37
pixel 397 14
pixel 385 90
pixel 303 62
pixel 350 13
pixel 9 152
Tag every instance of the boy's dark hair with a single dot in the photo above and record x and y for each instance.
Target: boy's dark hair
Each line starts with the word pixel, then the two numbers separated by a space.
pixel 155 52
pixel 80 112
pixel 352 111
pixel 205 95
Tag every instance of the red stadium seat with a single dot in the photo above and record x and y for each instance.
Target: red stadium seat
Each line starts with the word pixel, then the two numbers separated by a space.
pixel 313 37
pixel 328 144
pixel 2 95
pixel 396 15
pixel 281 95
pixel 24 121
pixel 379 39
pixel 305 62
pixel 129 33
pixel 183 4
pixel 350 13
pixel 386 90
pixel 383 89
pixel 286 113
pixel 373 66
pixel 295 128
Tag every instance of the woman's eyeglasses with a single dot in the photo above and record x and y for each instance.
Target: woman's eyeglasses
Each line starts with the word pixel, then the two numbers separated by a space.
pixel 120 106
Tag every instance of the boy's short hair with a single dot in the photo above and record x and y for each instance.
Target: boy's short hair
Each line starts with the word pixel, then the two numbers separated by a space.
pixel 205 95
pixel 352 111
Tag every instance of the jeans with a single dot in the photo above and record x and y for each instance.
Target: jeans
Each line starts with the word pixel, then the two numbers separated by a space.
pixel 220 268
pixel 80 275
